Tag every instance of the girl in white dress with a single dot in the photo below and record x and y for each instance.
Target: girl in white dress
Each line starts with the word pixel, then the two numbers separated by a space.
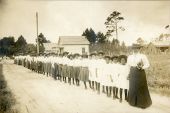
pixel 123 82
pixel 100 61
pixel 115 76
pixel 106 76
pixel 92 70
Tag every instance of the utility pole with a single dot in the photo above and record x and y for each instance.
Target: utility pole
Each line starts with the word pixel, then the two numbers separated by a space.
pixel 37 33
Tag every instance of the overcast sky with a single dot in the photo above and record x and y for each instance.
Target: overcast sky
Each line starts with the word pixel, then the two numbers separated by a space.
pixel 146 19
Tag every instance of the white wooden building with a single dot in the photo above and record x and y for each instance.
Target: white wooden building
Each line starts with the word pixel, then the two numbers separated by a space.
pixel 51 47
pixel 73 44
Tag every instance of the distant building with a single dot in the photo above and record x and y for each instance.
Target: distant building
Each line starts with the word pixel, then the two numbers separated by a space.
pixel 51 47
pixel 163 42
pixel 73 44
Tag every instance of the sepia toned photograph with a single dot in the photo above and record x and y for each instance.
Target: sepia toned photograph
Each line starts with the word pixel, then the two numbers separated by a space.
pixel 84 56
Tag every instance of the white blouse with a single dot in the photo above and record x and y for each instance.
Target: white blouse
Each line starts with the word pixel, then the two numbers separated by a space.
pixel 134 59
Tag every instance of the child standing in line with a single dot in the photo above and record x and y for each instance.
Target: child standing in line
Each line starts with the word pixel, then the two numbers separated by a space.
pixel 123 77
pixel 106 76
pixel 115 76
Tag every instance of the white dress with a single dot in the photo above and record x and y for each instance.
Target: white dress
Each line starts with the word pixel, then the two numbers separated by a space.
pixel 99 64
pixel 92 70
pixel 114 74
pixel 123 82
pixel 106 75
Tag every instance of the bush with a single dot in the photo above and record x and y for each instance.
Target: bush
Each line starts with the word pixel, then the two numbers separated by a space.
pixel 6 97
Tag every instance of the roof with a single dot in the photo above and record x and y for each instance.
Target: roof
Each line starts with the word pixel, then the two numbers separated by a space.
pixel 162 43
pixel 73 40
pixel 50 45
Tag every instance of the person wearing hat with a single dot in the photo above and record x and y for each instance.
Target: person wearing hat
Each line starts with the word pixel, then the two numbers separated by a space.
pixel 123 82
pixel 138 90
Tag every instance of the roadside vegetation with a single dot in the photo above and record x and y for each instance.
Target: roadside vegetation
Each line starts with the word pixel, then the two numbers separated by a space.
pixel 6 98
pixel 159 74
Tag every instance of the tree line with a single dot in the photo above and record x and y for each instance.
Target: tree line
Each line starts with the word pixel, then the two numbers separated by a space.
pixel 109 41
pixel 8 45
pixel 99 40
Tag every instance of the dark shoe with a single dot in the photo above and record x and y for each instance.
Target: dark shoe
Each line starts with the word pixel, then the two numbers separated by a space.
pixel 120 100
pixel 116 97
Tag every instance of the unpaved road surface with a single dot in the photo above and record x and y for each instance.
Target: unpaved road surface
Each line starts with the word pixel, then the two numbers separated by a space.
pixel 36 93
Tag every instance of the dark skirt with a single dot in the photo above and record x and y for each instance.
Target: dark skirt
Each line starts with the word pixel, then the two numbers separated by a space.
pixel 19 62
pixel 28 64
pixel 64 71
pixel 39 66
pixel 33 65
pixel 84 74
pixel 49 68
pixel 76 71
pixel 44 67
pixel 60 69
pixel 70 71
pixel 15 61
pixel 138 90
pixel 56 72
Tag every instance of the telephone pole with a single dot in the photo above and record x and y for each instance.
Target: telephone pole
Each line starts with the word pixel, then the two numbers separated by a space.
pixel 37 33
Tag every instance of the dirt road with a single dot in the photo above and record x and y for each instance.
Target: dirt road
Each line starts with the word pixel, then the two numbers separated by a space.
pixel 36 93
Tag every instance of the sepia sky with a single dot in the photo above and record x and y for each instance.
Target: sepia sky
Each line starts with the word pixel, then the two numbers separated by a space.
pixel 146 19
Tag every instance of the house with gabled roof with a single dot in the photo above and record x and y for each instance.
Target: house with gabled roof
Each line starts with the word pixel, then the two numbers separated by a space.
pixel 73 44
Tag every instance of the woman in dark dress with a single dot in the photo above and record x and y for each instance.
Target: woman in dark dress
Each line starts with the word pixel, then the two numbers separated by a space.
pixel 138 90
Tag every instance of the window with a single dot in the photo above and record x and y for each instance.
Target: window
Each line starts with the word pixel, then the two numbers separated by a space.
pixel 83 50
pixel 61 50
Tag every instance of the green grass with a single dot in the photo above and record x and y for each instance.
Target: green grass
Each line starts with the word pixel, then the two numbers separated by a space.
pixel 6 97
pixel 158 75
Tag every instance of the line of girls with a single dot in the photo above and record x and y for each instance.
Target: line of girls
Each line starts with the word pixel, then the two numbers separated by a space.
pixel 108 73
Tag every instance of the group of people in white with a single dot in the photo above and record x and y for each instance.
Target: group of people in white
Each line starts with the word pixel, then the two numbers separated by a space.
pixel 109 73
